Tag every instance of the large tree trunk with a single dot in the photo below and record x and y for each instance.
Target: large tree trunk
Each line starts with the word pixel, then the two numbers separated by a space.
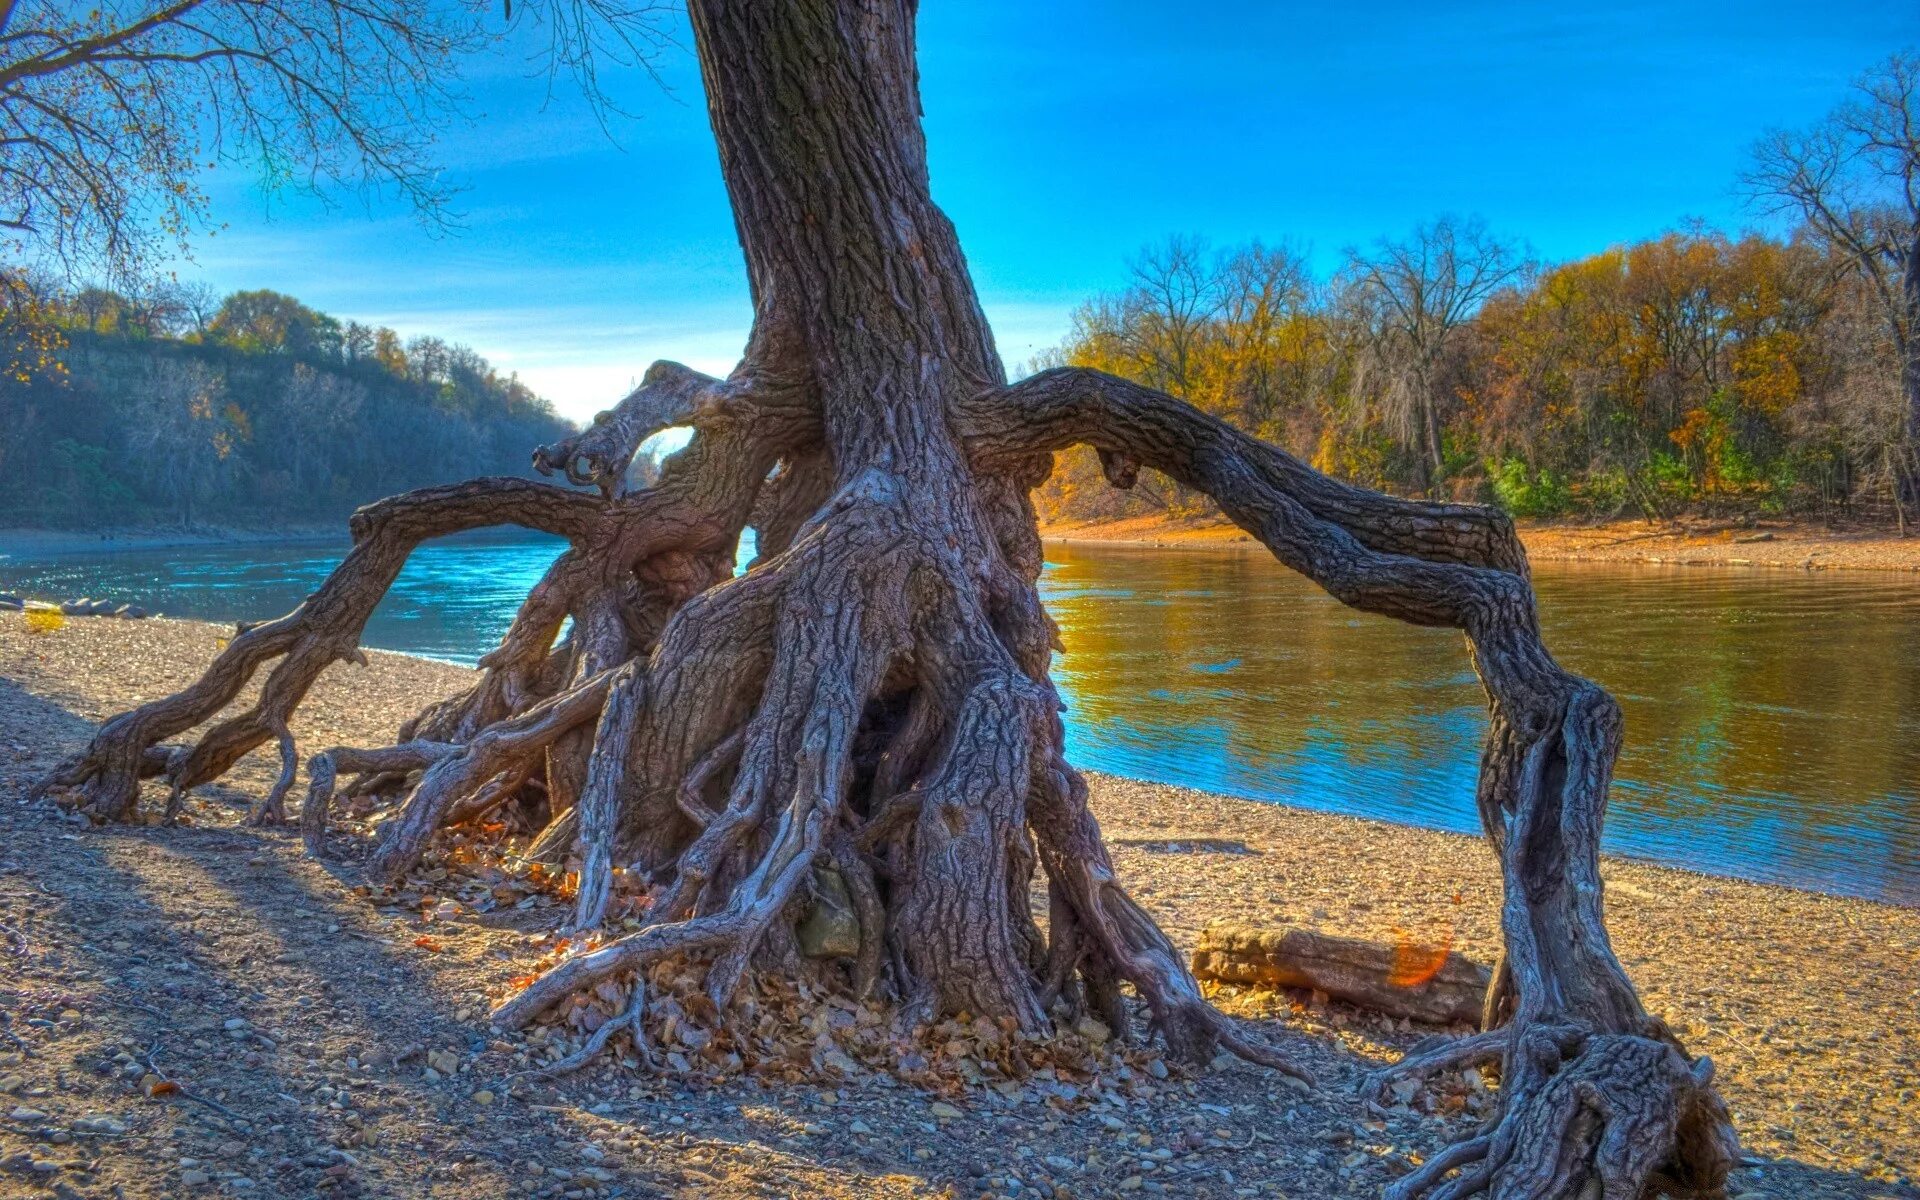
pixel 868 710
pixel 1907 339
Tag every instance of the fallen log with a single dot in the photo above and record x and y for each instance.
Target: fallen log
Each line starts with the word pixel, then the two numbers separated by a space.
pixel 1420 983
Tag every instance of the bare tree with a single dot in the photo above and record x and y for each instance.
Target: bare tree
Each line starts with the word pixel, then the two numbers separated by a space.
pixel 1173 301
pixel 1415 296
pixel 183 426
pixel 110 112
pixel 868 711
pixel 198 304
pixel 1265 294
pixel 1854 179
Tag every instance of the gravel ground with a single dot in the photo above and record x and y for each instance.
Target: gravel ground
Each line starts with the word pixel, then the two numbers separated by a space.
pixel 297 1042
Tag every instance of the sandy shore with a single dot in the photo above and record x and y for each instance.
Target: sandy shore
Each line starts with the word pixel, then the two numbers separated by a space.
pixel 144 945
pixel 1684 543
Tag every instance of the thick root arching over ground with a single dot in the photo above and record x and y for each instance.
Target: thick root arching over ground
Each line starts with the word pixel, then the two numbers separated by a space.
pixel 845 765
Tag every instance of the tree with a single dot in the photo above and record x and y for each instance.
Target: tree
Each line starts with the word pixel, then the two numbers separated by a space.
pixel 198 304
pixel 1415 297
pixel 1854 179
pixel 275 323
pixel 185 424
pixel 109 113
pixel 868 712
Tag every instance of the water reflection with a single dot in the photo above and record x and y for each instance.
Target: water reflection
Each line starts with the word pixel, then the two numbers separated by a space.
pixel 1773 717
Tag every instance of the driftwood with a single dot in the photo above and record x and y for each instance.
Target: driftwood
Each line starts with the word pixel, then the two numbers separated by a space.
pixel 1420 983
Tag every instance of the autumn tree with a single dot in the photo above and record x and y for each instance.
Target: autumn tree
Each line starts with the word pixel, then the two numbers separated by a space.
pixel 1414 297
pixel 1854 179
pixel 868 709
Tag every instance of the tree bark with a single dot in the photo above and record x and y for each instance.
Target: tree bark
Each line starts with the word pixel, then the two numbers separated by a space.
pixel 1907 477
pixel 873 697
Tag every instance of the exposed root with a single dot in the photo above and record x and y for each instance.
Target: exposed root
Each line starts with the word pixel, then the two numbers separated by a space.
pixel 733 926
pixel 1602 1115
pixel 1608 1107
pixel 322 630
pixel 599 805
pixel 387 762
pixel 1437 1054
pixel 271 809
pixel 629 1020
pixel 457 775
pixel 860 736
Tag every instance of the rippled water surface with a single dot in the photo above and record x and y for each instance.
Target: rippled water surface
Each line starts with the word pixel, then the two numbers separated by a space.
pixel 1773 717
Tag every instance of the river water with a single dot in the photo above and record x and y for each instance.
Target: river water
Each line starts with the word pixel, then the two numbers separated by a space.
pixel 1773 717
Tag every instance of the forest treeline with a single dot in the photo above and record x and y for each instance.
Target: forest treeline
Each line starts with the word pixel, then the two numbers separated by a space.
pixel 173 405
pixel 1695 370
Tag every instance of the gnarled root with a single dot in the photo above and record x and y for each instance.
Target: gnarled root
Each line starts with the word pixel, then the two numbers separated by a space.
pixel 1597 1097
pixel 104 779
pixel 324 768
pixel 1612 1116
pixel 866 717
pixel 893 741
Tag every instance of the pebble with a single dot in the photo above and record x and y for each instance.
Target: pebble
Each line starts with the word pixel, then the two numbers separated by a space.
pixel 483 1097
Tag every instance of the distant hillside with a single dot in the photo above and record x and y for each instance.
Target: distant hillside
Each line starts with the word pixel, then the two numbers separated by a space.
pixel 256 410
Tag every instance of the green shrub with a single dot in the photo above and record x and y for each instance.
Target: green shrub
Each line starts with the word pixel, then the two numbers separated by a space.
pixel 1527 493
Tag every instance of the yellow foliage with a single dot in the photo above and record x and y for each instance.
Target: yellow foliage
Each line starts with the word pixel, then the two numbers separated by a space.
pixel 42 618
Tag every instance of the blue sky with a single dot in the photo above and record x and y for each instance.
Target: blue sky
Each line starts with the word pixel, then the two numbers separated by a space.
pixel 1065 136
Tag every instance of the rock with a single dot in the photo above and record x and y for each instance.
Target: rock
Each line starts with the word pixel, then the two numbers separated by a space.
pixel 483 1097
pixel 195 1177
pixel 944 1111
pixel 23 1113
pixel 76 608
pixel 830 929
pixel 1093 1029
pixel 15 603
pixel 101 608
pixel 130 612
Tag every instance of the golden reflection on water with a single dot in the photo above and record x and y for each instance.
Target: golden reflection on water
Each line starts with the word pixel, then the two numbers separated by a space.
pixel 1773 717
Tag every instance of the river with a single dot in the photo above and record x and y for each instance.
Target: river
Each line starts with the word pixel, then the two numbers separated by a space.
pixel 1773 717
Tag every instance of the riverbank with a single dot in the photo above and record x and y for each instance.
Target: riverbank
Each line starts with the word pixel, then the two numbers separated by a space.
pixel 153 942
pixel 1789 544
pixel 47 543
